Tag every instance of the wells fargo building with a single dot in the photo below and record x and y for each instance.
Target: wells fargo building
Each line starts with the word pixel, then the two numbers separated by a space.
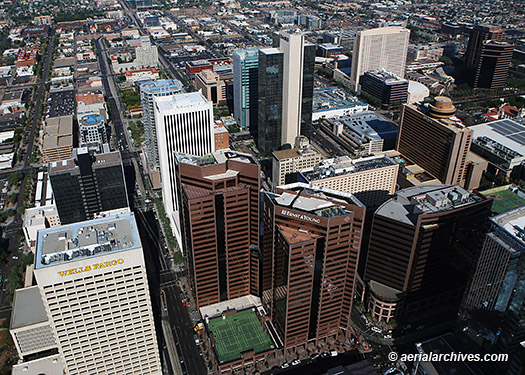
pixel 92 279
pixel 311 241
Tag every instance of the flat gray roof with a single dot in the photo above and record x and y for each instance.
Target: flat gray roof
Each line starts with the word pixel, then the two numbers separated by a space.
pixel 86 239
pixel 411 202
pixel 344 165
pixel 28 308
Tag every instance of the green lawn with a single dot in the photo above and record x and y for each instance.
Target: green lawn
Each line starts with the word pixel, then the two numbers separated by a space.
pixel 238 333
pixel 505 200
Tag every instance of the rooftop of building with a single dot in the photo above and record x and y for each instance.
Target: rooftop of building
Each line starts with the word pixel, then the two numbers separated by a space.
pixel 505 199
pixel 449 343
pixel 294 153
pixel 90 97
pixel 387 77
pixel 270 51
pixel 91 119
pixel 87 239
pixel 328 98
pixel 385 292
pixel 295 236
pixel 368 125
pixel 162 84
pixel 180 101
pixel 323 193
pixel 409 203
pixel 52 364
pixel 99 161
pixel 28 308
pixel 320 202
pixel 237 333
pixel 197 63
pixel 506 135
pixel 217 157
pixel 513 222
pixel 441 110
pixel 37 215
pixel 344 165
pixel 58 132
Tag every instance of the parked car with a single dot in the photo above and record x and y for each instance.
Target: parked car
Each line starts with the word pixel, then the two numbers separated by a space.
pixel 296 362
pixel 333 353
pixel 285 365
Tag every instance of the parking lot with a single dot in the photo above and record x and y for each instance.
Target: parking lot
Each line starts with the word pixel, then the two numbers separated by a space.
pixel 61 103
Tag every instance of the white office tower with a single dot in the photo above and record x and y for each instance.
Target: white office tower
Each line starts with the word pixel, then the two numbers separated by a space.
pixel 184 124
pixel 92 279
pixel 384 48
pixel 292 44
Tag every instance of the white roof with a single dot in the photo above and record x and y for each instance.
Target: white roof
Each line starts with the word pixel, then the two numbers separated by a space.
pixel 506 132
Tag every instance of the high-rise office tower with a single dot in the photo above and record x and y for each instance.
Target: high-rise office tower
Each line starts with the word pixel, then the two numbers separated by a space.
pixel 220 220
pixel 92 279
pixel 270 100
pixel 497 291
pixel 245 88
pixel 432 137
pixel 311 242
pixel 184 124
pixel 494 63
pixel 423 247
pixel 286 84
pixel 149 90
pixel 478 35
pixel 383 48
pixel 298 85
pixel 489 56
pixel 88 184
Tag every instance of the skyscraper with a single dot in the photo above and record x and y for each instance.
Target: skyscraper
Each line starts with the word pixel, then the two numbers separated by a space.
pixel 220 220
pixel 149 90
pixel 92 279
pixel 311 242
pixel 286 83
pixel 491 72
pixel 88 184
pixel 478 35
pixel 423 247
pixel 489 56
pixel 377 49
pixel 184 124
pixel 270 100
pixel 432 137
pixel 298 85
pixel 245 88
pixel 497 292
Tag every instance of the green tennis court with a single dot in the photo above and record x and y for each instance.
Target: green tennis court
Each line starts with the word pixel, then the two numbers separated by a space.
pixel 238 333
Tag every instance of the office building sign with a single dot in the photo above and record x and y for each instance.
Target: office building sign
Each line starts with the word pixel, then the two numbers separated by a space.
pixel 95 266
pixel 301 216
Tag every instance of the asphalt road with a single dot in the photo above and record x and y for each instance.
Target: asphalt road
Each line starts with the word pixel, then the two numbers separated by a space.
pixel 182 330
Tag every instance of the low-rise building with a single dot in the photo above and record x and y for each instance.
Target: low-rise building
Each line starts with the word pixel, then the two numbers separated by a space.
pixel 502 143
pixel 363 133
pixel 335 102
pixel 142 75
